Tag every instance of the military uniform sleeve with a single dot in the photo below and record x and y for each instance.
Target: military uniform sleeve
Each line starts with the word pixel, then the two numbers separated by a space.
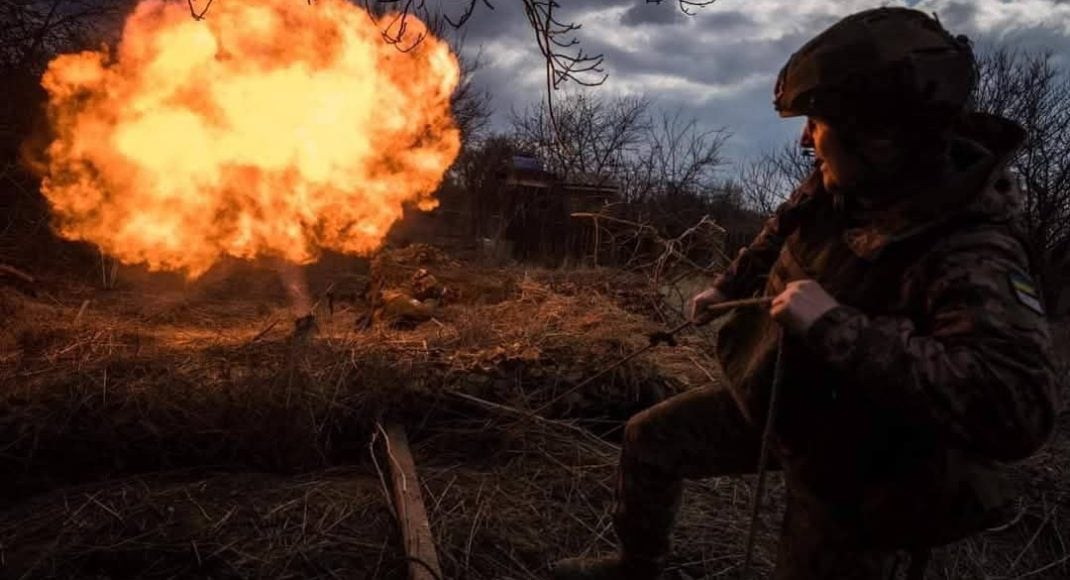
pixel 747 273
pixel 978 367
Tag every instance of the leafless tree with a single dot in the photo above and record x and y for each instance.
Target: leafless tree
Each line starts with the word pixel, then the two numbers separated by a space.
pixel 768 180
pixel 675 156
pixel 471 105
pixel 1032 89
pixel 665 220
pixel 654 159
pixel 565 58
pixel 591 137
pixel 32 33
pixel 474 186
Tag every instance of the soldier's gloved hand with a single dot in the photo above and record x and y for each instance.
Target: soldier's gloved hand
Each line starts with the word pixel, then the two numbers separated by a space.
pixel 799 306
pixel 697 307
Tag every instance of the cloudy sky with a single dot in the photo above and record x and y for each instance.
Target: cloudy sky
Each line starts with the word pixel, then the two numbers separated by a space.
pixel 719 65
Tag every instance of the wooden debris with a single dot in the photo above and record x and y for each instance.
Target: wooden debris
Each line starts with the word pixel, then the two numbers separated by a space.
pixel 409 505
pixel 18 279
pixel 262 333
pixel 81 311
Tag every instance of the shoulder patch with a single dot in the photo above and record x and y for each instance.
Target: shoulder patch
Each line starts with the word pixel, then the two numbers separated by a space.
pixel 1025 291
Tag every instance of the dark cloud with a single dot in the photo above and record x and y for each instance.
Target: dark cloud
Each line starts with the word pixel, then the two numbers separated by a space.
pixel 718 49
pixel 640 14
pixel 956 15
pixel 729 21
pixel 718 66
pixel 487 24
pixel 1033 31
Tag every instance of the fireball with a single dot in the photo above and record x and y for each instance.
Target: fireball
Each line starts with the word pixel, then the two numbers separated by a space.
pixel 269 128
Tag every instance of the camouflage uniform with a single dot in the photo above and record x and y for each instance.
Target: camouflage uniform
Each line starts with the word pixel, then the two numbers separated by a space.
pixel 898 404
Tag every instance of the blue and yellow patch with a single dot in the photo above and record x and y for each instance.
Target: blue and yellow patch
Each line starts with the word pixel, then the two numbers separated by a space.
pixel 1026 291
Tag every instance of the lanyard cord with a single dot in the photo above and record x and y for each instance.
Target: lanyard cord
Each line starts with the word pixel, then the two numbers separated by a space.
pixel 763 457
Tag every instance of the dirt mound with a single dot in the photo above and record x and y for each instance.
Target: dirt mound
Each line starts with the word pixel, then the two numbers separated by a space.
pixel 459 282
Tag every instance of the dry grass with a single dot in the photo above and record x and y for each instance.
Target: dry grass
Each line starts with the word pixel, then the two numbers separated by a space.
pixel 98 397
pixel 138 384
pixel 165 434
pixel 218 525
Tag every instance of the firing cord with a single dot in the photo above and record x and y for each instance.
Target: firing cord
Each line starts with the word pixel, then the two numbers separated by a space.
pixel 763 456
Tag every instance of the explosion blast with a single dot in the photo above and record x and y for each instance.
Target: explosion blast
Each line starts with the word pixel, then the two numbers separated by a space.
pixel 270 128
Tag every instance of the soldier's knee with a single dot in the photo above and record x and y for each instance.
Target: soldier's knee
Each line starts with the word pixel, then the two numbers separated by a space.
pixel 649 447
pixel 639 431
pixel 633 430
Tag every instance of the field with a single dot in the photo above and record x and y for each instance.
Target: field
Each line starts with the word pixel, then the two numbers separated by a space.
pixel 170 429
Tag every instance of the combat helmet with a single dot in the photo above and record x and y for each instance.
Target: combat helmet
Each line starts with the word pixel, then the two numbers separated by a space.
pixel 879 68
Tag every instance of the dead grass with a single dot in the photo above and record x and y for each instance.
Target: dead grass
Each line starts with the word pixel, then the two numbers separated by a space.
pixel 102 391
pixel 229 388
pixel 219 525
pixel 186 434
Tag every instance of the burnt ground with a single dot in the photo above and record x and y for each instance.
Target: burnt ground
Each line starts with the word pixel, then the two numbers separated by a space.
pixel 167 429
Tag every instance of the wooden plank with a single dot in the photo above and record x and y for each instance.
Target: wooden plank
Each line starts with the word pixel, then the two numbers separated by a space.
pixel 18 279
pixel 409 504
pixel 15 273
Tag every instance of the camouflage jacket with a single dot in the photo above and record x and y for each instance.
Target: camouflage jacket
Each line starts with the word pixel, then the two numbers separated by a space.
pixel 937 364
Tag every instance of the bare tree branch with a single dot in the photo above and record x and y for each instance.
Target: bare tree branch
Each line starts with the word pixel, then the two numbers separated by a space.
pixel 199 15
pixel 1031 89
pixel 768 180
pixel 687 6
pixel 589 138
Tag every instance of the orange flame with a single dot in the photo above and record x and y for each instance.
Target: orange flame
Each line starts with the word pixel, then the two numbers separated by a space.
pixel 270 128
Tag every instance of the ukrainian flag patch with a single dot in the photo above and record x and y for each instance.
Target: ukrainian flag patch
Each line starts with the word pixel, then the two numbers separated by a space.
pixel 1026 291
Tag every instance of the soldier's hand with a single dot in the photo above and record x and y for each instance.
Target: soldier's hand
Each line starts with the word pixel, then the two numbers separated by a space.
pixel 799 306
pixel 697 307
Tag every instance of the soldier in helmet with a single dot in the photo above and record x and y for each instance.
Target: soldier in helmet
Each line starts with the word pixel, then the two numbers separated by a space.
pixel 916 356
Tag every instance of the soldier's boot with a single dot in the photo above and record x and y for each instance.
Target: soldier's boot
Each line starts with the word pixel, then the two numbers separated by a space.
pixel 647 499
pixel 607 568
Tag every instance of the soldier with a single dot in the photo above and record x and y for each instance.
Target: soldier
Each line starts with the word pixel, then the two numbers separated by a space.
pixel 916 355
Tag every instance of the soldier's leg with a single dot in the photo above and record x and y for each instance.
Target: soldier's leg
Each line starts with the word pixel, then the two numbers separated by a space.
pixel 814 545
pixel 694 435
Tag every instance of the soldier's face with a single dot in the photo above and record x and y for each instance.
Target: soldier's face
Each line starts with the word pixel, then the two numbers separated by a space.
pixel 840 167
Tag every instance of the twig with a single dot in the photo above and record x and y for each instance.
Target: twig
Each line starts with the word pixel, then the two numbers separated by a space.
pixel 385 489
pixel 198 15
pixel 537 418
pixel 472 530
pixel 263 332
pixel 1046 567
pixel 81 311
pixel 1047 518
pixel 655 339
